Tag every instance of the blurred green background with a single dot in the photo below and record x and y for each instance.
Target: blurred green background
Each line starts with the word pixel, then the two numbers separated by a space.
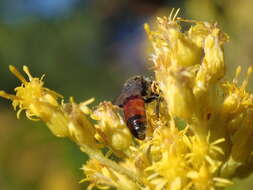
pixel 88 48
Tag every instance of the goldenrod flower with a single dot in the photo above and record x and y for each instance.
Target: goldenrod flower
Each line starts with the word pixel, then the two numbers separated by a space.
pixel 41 103
pixel 104 177
pixel 111 128
pixel 38 102
pixel 199 132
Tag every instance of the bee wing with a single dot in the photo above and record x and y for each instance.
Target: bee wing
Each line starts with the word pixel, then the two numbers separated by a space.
pixel 120 99
pixel 134 86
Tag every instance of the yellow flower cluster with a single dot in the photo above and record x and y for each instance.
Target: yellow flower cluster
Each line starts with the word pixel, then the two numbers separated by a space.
pixel 199 133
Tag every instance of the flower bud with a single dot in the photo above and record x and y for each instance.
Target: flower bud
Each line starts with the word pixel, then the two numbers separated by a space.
pixel 111 128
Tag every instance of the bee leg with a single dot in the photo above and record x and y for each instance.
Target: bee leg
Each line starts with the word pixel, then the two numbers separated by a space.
pixel 151 98
pixel 157 108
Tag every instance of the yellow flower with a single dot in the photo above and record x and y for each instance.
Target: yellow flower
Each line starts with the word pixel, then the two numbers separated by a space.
pixel 111 128
pixel 42 103
pixel 38 102
pixel 81 130
pixel 199 131
pixel 104 177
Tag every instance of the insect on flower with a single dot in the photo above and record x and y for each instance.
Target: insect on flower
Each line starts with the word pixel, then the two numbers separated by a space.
pixel 135 93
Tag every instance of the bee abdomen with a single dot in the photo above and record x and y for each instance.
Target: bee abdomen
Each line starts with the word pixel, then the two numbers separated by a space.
pixel 134 111
pixel 137 126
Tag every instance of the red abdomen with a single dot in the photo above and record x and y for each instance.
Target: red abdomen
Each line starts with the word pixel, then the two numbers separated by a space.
pixel 135 116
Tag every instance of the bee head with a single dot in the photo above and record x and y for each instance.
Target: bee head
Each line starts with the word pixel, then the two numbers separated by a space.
pixel 135 86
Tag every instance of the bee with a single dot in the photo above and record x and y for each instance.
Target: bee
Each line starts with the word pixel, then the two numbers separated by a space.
pixel 135 93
